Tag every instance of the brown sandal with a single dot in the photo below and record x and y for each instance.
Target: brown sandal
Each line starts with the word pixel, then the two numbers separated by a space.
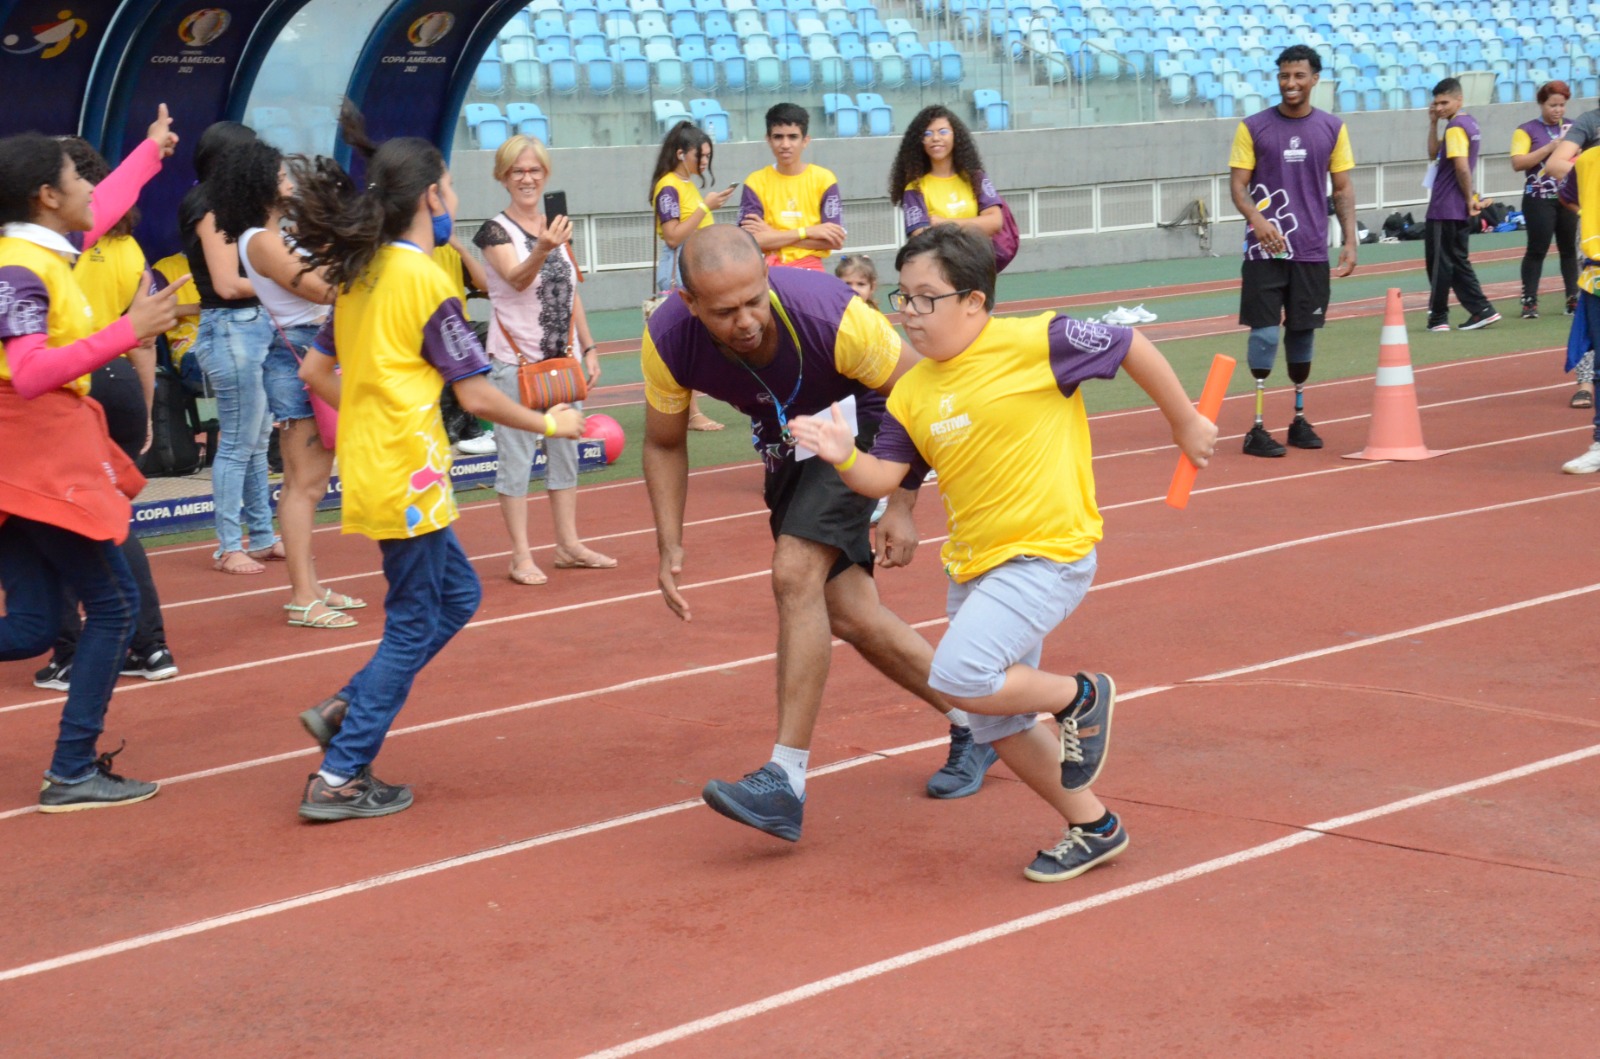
pixel 534 576
pixel 1582 399
pixel 237 563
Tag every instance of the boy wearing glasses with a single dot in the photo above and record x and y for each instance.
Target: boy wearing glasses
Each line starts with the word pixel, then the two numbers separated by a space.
pixel 995 408
pixel 792 208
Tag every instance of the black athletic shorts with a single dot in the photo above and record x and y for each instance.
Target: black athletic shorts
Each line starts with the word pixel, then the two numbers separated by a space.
pixel 1291 293
pixel 809 500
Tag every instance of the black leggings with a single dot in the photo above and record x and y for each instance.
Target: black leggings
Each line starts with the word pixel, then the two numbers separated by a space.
pixel 1544 218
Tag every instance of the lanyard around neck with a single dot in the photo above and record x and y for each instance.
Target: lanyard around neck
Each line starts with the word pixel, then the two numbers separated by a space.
pixel 781 409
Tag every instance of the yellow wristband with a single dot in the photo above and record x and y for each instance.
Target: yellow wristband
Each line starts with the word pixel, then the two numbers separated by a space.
pixel 849 462
pixel 549 425
pixel 802 233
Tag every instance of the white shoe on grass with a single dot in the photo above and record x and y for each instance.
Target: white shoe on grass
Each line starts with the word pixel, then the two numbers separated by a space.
pixel 1142 315
pixel 1588 463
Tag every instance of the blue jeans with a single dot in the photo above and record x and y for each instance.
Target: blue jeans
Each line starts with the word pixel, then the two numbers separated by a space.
pixel 232 346
pixel 433 592
pixel 36 562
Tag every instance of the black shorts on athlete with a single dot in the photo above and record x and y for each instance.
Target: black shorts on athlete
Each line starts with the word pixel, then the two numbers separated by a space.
pixel 809 500
pixel 1291 293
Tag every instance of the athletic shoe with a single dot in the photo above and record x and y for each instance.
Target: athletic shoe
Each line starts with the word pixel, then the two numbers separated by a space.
pixel 931 478
pixel 1439 324
pixel 1588 463
pixel 324 720
pixel 1301 436
pixel 1121 316
pixel 1480 319
pixel 1572 304
pixel 1530 308
pixel 877 512
pixel 1142 315
pixel 364 795
pixel 56 676
pixel 1086 731
pixel 482 445
pixel 1261 443
pixel 101 789
pixel 1076 853
pixel 964 769
pixel 762 800
pixel 154 664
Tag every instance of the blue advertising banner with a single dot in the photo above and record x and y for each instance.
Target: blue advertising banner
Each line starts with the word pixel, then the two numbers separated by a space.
pixel 402 79
pixel 155 517
pixel 49 46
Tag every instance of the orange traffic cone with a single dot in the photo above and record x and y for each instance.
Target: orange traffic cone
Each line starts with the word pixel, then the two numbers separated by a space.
pixel 1396 432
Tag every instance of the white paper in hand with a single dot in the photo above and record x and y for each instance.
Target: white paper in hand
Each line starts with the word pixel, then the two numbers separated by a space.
pixel 847 409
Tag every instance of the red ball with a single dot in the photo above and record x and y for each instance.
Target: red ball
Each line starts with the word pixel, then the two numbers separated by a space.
pixel 608 430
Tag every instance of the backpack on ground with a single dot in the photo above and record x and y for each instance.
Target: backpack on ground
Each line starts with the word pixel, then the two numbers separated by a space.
pixel 174 422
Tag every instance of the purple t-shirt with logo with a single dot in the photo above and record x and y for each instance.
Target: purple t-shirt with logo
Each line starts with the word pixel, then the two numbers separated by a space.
pixel 1539 185
pixel 1448 202
pixel 1290 177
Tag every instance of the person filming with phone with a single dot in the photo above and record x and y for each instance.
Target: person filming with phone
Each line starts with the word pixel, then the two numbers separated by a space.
pixel 537 315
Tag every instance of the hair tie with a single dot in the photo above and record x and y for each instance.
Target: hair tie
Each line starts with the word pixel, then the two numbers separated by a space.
pixel 372 187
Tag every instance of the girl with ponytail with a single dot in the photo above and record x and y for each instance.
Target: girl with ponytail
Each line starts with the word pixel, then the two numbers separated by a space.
pixel 397 334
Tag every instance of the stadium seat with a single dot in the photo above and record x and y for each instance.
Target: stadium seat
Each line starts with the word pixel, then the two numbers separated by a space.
pixel 490 78
pixel 800 72
pixel 527 77
pixel 879 119
pixel 528 120
pixel 768 73
pixel 710 116
pixel 488 126
pixel 668 112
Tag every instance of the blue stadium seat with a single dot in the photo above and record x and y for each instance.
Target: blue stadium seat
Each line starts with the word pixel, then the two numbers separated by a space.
pixel 1224 106
pixel 800 73
pixel 527 77
pixel 668 112
pixel 863 71
pixel 830 71
pixel 949 60
pixel 879 118
pixel 490 78
pixel 528 120
pixel 710 116
pixel 487 125
pixel 891 67
pixel 768 73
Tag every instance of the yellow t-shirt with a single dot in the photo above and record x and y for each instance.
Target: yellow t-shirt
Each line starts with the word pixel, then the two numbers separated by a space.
pixel 69 317
pixel 951 197
pixel 109 273
pixel 399 336
pixel 1004 425
pixel 446 257
pixel 1587 174
pixel 181 337
pixel 792 202
pixel 680 204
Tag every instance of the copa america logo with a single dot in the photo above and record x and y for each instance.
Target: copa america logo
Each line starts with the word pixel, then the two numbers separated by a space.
pixel 430 29
pixel 204 26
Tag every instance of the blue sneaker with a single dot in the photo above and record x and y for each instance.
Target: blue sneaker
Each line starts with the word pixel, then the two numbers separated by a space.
pixel 1086 732
pixel 964 770
pixel 1076 853
pixel 762 800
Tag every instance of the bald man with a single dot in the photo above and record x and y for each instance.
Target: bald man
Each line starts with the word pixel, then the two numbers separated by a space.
pixel 775 346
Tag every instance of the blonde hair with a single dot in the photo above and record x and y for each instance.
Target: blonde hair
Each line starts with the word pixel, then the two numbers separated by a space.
pixel 505 158
pixel 860 263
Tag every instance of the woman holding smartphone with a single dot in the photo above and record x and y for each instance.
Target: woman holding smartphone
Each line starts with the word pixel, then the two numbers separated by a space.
pixel 533 291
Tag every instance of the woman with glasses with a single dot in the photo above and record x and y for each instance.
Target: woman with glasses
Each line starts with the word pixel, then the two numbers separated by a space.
pixel 938 178
pixel 533 290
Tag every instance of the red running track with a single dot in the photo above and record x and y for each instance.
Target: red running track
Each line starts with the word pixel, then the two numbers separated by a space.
pixel 1354 752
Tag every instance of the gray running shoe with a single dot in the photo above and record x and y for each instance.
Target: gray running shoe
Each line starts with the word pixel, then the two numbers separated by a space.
pixel 1076 853
pixel 1086 732
pixel 101 789
pixel 762 800
pixel 965 768
pixel 364 795
pixel 324 720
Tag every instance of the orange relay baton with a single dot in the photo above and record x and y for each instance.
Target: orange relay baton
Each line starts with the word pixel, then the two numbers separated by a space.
pixel 1216 388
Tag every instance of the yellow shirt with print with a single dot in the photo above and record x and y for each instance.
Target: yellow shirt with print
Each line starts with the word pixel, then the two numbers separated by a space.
pixel 181 337
pixel 1587 174
pixel 1008 490
pixel 950 197
pixel 71 318
pixel 792 202
pixel 689 200
pixel 109 273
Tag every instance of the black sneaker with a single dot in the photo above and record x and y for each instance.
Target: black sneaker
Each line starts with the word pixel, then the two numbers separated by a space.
pixel 101 789
pixel 1261 443
pixel 1439 323
pixel 762 800
pixel 1530 308
pixel 964 769
pixel 1572 304
pixel 56 676
pixel 324 720
pixel 1076 853
pixel 1086 731
pixel 364 795
pixel 1301 436
pixel 1480 319
pixel 154 664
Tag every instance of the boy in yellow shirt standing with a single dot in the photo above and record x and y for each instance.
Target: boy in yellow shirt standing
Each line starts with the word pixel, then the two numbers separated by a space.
pixel 995 408
pixel 793 208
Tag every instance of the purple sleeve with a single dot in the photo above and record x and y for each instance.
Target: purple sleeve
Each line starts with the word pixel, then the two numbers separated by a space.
pixel 832 208
pixel 985 193
pixel 895 445
pixel 24 303
pixel 915 207
pixel 449 344
pixel 667 206
pixel 323 343
pixel 1083 349
pixel 750 205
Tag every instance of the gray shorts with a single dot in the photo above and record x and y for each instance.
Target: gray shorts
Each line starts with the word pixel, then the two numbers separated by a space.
pixel 519 448
pixel 1000 619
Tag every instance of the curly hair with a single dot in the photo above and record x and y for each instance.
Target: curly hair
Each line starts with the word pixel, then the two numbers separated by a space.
pixel 911 161
pixel 341 227
pixel 93 167
pixel 244 187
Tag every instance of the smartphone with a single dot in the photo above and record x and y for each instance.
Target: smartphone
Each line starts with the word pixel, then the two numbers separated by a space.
pixel 555 205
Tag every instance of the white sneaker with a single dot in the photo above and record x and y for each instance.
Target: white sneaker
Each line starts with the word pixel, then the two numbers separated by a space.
pixel 1121 316
pixel 1588 463
pixel 482 445
pixel 1142 315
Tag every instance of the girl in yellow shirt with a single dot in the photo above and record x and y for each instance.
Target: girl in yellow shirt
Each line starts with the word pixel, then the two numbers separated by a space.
pixel 938 177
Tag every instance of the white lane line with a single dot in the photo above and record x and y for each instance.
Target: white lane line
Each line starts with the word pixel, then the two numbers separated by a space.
pixel 1310 833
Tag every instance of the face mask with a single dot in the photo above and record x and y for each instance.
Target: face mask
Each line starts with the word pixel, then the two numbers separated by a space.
pixel 443 225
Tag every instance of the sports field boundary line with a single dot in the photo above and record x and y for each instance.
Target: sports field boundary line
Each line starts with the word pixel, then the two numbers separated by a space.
pixel 506 849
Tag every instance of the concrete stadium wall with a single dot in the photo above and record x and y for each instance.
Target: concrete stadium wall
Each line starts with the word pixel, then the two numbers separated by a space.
pixel 612 180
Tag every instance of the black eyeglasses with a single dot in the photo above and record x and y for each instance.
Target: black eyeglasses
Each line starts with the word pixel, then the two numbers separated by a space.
pixel 920 304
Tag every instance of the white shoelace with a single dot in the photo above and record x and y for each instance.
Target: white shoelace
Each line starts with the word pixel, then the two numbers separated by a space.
pixel 1071 748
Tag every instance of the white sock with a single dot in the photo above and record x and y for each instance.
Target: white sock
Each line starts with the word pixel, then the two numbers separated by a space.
pixel 793 763
pixel 333 779
pixel 959 718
